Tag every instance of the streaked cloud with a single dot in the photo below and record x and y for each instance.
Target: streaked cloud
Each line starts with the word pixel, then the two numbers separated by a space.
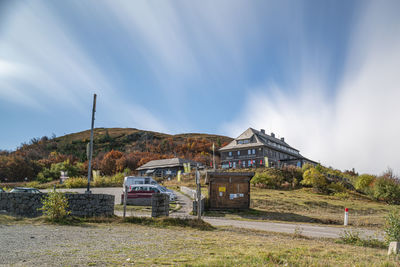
pixel 354 127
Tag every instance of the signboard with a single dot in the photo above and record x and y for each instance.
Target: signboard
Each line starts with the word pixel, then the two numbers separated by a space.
pixel 266 162
pixel 222 189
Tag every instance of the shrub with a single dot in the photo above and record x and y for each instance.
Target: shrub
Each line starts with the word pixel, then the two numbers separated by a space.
pixel 392 226
pixel 76 182
pixel 387 189
pixel 48 175
pixel 312 177
pixel 364 182
pixel 336 188
pixel 55 206
pixel 286 178
pixel 108 181
pixel 34 184
pixel 353 238
pixel 267 179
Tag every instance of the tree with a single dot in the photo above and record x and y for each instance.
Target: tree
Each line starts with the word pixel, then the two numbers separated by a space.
pixel 364 182
pixel 108 165
pixel 312 177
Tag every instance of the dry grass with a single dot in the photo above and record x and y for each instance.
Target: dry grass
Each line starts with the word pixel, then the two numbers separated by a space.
pixel 180 244
pixel 304 205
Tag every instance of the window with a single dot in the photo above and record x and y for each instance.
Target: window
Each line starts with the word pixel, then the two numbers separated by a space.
pixel 246 141
pixel 249 163
pixel 254 151
pixel 249 151
pixel 234 164
pixel 239 153
pixel 244 164
pixel 230 153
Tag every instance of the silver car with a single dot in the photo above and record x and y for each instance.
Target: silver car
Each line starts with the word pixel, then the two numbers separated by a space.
pixel 25 190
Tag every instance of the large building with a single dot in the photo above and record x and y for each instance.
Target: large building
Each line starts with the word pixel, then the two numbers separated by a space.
pixel 255 148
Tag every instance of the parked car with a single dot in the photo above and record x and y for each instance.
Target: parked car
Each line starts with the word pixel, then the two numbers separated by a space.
pixel 25 190
pixel 146 191
pixel 164 189
pixel 132 180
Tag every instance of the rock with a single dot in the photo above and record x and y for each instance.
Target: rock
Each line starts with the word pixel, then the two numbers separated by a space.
pixel 394 248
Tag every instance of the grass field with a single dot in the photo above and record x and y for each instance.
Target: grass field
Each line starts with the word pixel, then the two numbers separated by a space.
pixel 185 246
pixel 304 205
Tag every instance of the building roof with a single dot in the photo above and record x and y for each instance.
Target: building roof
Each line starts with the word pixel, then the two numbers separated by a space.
pixel 165 163
pixel 259 139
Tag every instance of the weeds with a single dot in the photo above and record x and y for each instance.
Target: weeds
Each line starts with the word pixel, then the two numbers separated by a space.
pixel 353 238
pixel 167 221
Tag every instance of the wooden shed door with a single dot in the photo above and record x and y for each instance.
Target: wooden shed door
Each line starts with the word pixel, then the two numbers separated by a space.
pixel 219 195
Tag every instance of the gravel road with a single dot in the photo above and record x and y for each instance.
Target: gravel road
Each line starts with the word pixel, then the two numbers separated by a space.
pixel 52 245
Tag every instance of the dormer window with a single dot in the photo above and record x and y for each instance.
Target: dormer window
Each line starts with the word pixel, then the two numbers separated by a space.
pixel 244 141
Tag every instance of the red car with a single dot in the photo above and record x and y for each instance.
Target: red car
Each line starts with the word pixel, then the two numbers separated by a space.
pixel 140 194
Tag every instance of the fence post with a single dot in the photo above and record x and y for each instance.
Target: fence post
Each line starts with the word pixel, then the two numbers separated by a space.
pixel 125 198
pixel 346 216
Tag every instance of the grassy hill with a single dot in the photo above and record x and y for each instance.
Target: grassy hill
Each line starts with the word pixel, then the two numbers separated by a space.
pixel 125 140
pixel 137 147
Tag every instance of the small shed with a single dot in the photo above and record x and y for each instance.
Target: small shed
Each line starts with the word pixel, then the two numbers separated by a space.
pixel 229 190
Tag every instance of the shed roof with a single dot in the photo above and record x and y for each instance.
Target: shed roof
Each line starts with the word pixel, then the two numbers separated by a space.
pixel 165 163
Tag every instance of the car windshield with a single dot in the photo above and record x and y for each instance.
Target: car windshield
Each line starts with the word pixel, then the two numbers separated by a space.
pixel 161 189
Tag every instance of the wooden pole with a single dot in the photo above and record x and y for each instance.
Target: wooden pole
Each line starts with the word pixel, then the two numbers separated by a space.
pixel 125 198
pixel 198 194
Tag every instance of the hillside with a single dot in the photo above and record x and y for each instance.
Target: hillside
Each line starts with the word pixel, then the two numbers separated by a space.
pixel 137 147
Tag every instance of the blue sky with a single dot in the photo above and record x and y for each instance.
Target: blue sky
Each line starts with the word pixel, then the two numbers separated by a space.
pixel 323 74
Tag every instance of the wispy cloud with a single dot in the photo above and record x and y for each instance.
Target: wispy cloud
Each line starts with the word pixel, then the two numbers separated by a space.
pixel 43 66
pixel 357 125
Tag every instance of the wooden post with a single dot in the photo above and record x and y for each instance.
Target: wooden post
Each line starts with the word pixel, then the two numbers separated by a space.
pixel 198 194
pixel 125 198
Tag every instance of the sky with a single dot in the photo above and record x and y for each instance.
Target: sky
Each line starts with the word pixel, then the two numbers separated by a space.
pixel 323 74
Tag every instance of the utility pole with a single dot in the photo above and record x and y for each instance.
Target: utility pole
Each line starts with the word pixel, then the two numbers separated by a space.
pixel 213 147
pixel 91 146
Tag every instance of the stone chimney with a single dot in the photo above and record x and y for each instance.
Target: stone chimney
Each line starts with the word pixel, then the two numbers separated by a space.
pixel 263 131
pixel 283 139
pixel 272 135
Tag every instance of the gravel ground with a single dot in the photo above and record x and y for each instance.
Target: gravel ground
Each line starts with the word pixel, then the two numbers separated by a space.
pixel 51 245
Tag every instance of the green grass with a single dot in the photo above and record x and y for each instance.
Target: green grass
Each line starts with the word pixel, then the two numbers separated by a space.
pixel 173 206
pixel 79 221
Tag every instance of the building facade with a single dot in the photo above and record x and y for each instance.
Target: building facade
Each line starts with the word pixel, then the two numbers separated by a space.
pixel 255 148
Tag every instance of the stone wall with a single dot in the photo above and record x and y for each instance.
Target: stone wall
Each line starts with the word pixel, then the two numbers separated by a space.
pixel 83 205
pixel 159 205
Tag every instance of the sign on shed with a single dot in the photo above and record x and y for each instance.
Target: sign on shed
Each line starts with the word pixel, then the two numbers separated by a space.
pixel 229 190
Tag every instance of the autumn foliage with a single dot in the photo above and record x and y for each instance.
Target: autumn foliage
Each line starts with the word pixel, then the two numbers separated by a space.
pixel 115 150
